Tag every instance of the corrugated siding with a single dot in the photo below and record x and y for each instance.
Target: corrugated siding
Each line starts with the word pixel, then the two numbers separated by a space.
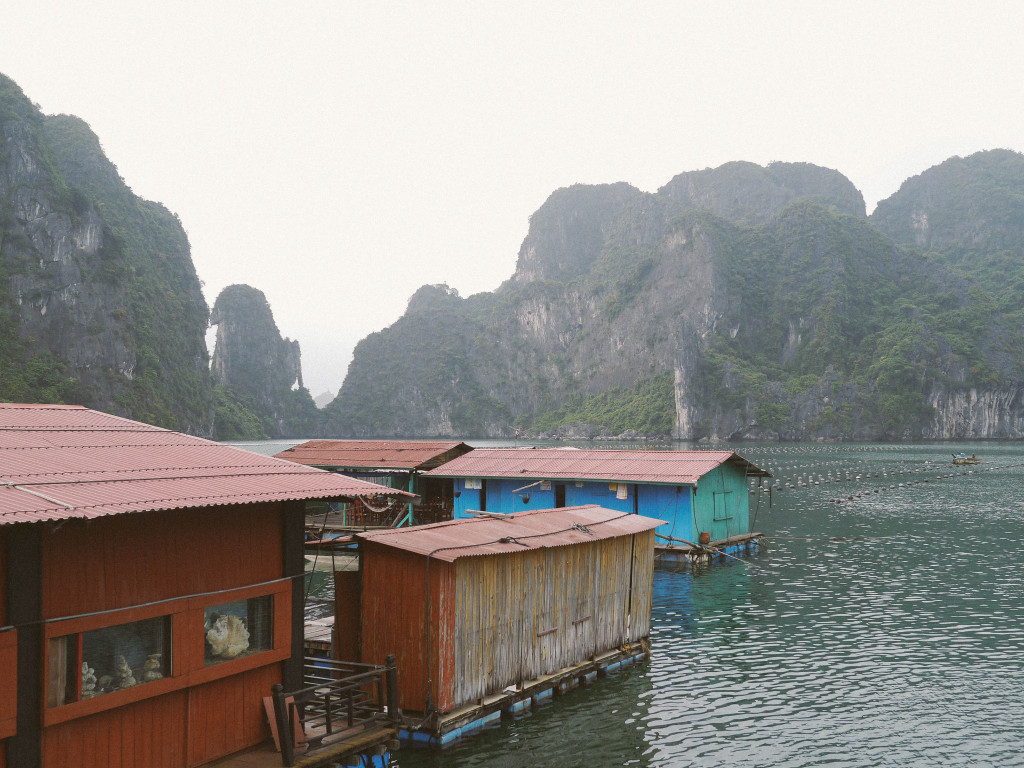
pixel 670 467
pixel 394 620
pixel 376 454
pixel 507 606
pixel 144 733
pixel 226 715
pixel 68 463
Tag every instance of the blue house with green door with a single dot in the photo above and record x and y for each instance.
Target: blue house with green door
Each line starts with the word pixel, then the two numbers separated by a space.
pixel 703 495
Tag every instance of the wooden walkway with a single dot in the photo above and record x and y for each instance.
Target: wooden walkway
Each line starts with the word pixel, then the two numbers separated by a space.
pixel 370 740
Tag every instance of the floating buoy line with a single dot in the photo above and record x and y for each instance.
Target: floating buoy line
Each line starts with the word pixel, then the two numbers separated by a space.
pixel 789 476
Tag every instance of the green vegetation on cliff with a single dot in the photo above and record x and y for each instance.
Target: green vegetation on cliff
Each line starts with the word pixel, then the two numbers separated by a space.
pixel 258 373
pixel 147 253
pixel 739 302
pixel 647 408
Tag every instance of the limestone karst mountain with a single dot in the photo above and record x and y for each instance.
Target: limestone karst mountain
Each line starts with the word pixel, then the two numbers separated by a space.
pixel 741 302
pixel 100 303
pixel 261 369
pixel 99 300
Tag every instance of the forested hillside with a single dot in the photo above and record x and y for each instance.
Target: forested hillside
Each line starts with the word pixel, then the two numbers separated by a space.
pixel 735 303
pixel 99 299
pixel 258 373
pixel 100 304
pixel 740 302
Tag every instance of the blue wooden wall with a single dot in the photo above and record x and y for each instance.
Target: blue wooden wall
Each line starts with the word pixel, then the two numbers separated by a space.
pixel 722 503
pixel 672 503
pixel 719 504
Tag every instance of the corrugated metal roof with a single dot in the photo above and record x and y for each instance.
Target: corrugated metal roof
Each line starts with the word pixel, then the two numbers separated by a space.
pixel 532 529
pixel 374 454
pixel 62 462
pixel 667 467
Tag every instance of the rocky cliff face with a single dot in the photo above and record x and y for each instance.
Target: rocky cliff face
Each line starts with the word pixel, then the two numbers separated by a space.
pixel 966 205
pixel 250 354
pixel 100 301
pixel 762 298
pixel 258 365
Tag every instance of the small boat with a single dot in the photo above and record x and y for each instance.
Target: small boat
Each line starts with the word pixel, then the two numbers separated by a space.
pixel 960 459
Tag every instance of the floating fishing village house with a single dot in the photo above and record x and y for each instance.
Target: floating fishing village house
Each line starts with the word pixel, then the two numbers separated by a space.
pixel 701 495
pixel 399 464
pixel 151 588
pixel 498 613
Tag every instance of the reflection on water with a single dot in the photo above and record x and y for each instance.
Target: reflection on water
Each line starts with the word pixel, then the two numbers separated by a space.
pixel 886 630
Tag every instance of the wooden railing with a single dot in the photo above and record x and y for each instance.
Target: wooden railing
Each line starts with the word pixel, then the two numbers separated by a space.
pixel 356 515
pixel 341 700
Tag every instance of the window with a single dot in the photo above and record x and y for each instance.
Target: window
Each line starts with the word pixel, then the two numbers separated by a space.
pixel 722 511
pixel 100 661
pixel 238 629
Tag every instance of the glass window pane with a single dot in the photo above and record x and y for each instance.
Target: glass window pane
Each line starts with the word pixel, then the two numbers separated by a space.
pixel 125 655
pixel 112 659
pixel 239 629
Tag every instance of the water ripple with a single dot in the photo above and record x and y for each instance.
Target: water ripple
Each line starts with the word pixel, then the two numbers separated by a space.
pixel 881 632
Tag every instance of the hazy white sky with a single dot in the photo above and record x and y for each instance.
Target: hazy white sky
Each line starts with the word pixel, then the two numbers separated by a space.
pixel 339 154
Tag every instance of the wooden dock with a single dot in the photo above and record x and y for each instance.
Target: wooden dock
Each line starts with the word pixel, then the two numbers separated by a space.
pixel 375 740
pixel 677 551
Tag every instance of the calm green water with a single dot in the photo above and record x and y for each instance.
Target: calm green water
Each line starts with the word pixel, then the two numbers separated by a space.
pixel 884 631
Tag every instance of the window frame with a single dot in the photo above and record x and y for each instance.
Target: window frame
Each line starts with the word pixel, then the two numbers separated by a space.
pixel 187 651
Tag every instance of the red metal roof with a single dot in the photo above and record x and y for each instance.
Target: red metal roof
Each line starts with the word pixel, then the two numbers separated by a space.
pixel 667 467
pixel 531 529
pixel 374 454
pixel 59 462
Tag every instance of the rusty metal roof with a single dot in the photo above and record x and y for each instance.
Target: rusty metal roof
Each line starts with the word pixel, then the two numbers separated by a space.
pixel 375 454
pixel 59 462
pixel 494 535
pixel 664 467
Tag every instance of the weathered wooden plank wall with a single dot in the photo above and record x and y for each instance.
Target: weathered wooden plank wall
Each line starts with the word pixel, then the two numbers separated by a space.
pixel 530 614
pixel 129 560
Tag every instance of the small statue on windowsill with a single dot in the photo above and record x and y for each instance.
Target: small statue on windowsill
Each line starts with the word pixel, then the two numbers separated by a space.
pixel 151 669
pixel 88 681
pixel 228 636
pixel 126 678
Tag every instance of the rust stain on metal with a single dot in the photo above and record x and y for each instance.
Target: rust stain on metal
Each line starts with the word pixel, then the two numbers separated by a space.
pixel 665 467
pixel 62 462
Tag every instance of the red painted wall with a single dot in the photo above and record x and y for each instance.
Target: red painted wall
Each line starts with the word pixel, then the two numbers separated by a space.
pixel 130 560
pixel 124 560
pixel 394 620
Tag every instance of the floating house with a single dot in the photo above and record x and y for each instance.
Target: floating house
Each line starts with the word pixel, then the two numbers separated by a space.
pixel 151 589
pixel 497 613
pixel 701 495
pixel 399 464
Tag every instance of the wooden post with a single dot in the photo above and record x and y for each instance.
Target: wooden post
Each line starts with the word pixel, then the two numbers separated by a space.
pixel 391 673
pixel 24 563
pixel 284 726
pixel 293 514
